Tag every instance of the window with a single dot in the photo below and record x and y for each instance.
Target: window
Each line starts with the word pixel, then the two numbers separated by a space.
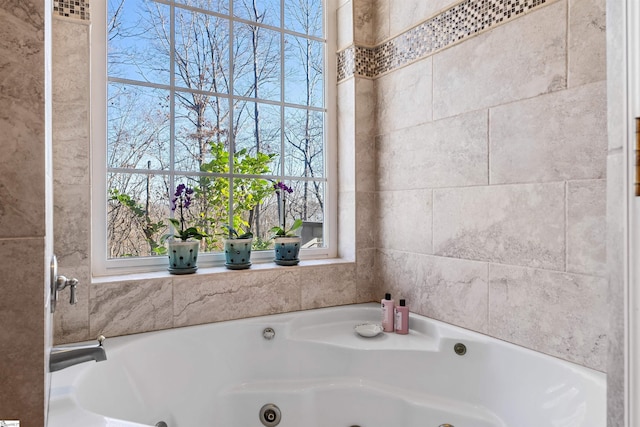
pixel 228 97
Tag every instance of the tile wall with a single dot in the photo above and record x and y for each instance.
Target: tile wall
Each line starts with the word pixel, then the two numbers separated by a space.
pixel 499 288
pixel 25 210
pixel 131 304
pixel 507 214
pixel 491 173
pixel 617 372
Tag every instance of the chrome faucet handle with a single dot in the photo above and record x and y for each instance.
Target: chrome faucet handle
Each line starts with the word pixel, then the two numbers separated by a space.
pixel 101 339
pixel 73 283
pixel 62 282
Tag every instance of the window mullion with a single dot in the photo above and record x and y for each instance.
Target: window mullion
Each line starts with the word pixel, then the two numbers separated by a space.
pixel 232 142
pixel 282 93
pixel 172 97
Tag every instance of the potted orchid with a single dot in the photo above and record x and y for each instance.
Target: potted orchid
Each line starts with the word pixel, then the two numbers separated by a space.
pixel 237 249
pixel 184 243
pixel 286 242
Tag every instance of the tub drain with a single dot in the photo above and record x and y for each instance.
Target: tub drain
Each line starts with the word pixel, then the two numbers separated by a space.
pixel 460 350
pixel 161 424
pixel 270 415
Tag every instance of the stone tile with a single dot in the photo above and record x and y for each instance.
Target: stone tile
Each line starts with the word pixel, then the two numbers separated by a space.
pixel 445 153
pixel 234 295
pixel 586 227
pixel 616 366
pixel 404 97
pixel 325 287
pixel 72 224
pixel 407 13
pixel 24 238
pixel 405 221
pixel 554 137
pixel 364 14
pixel 22 167
pixel 451 290
pixel 587 42
pixel 366 276
pixel 511 224
pixel 122 308
pixel 345 25
pixel 347 225
pixel 365 154
pixel 71 143
pixel 545 311
pixel 365 106
pixel 22 359
pixel 365 163
pixel 527 58
pixel 366 221
pixel 381 141
pixel 69 65
pixel 616 80
pixel 22 121
pixel 71 102
pixel 382 20
pixel 71 322
pixel 346 136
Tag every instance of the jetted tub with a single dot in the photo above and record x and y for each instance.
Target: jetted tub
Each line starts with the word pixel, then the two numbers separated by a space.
pixel 320 373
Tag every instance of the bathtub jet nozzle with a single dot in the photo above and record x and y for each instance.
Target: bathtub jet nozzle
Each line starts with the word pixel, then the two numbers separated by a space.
pixel 268 333
pixel 270 415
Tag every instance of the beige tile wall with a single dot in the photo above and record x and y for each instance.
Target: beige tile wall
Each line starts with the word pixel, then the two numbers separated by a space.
pixel 491 179
pixel 456 177
pixel 126 305
pixel 617 371
pixel 25 211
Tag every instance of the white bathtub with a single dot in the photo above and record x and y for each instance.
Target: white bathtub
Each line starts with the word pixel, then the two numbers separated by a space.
pixel 321 374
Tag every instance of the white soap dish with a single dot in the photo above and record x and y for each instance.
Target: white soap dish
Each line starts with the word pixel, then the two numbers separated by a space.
pixel 368 330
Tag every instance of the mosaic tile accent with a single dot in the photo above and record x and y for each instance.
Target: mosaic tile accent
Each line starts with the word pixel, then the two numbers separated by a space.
pixel 346 63
pixel 463 20
pixel 78 9
pixel 365 61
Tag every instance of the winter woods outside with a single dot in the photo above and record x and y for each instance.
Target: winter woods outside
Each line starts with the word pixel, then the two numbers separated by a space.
pixel 226 97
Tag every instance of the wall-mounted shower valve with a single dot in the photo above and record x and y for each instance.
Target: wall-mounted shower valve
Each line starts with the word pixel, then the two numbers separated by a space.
pixel 59 283
pixel 62 282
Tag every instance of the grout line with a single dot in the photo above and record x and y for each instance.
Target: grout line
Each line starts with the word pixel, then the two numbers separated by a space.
pixel 488 146
pixel 433 215
pixel 567 34
pixel 566 225
pixel 488 296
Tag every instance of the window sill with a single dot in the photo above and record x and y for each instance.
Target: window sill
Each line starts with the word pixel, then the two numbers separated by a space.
pixel 206 271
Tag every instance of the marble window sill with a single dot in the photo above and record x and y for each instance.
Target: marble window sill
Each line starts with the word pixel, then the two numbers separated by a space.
pixel 255 267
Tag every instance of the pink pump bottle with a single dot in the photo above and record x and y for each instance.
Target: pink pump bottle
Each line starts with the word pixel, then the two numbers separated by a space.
pixel 402 318
pixel 387 313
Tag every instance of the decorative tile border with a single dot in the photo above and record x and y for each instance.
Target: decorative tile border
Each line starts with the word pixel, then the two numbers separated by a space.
pixel 462 20
pixel 78 9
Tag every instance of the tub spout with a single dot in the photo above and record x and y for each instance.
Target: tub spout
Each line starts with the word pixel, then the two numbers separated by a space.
pixel 63 357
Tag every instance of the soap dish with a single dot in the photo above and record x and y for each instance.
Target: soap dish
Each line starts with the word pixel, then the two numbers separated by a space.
pixel 368 330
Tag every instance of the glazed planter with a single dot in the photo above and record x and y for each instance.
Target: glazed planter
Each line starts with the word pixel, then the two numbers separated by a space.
pixel 183 256
pixel 287 250
pixel 237 253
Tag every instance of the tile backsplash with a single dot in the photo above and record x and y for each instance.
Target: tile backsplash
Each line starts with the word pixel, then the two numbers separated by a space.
pixel 77 9
pixel 456 23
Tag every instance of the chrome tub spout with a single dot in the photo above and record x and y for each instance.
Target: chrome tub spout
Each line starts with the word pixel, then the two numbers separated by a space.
pixel 63 357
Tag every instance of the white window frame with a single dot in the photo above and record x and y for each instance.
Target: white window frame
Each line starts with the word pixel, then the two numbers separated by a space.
pixel 100 264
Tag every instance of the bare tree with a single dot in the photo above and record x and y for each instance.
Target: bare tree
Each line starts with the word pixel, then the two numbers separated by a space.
pixel 217 68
